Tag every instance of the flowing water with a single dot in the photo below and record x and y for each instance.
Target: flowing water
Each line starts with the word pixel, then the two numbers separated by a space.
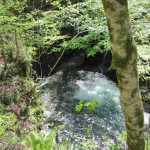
pixel 63 91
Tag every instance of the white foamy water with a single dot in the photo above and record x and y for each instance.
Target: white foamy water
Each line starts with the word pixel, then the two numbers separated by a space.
pixel 96 86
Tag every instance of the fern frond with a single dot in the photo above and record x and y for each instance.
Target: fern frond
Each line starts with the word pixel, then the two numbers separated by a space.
pixel 48 141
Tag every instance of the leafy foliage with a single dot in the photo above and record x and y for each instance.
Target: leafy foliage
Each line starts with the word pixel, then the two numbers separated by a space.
pixel 8 130
pixel 87 21
pixel 88 104
pixel 6 98
pixel 38 141
pixel 19 100
pixel 15 41
pixel 140 15
pixel 32 33
pixel 5 121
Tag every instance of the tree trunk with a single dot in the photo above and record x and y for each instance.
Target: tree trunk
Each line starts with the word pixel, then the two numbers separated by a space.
pixel 3 51
pixel 17 47
pixel 124 60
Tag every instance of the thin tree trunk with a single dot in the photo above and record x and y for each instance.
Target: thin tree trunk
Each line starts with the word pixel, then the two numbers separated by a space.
pixel 124 60
pixel 3 51
pixel 17 47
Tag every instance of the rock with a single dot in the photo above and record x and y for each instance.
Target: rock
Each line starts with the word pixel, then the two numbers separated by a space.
pixel 72 62
pixel 55 78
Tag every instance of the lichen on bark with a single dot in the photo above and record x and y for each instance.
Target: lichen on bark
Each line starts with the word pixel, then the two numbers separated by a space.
pixel 124 60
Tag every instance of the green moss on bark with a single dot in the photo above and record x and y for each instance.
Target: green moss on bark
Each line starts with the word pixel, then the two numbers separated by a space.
pixel 141 120
pixel 138 146
pixel 133 93
pixel 108 5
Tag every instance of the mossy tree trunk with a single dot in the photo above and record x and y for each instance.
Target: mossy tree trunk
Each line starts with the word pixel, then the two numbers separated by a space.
pixel 124 60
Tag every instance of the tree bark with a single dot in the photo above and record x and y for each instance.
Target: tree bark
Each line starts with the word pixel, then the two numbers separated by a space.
pixel 124 60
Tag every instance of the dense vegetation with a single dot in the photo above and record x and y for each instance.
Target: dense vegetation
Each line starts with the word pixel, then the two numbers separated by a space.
pixel 34 36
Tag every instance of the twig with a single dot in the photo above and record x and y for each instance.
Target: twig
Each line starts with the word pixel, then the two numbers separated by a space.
pixel 63 53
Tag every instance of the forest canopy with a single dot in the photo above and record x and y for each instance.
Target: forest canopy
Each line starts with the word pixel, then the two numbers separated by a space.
pixel 33 29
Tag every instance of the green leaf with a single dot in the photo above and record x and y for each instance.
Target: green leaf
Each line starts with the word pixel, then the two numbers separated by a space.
pixel 87 104
pixel 94 102
pixel 79 107
pixel 82 101
pixel 55 3
pixel 91 107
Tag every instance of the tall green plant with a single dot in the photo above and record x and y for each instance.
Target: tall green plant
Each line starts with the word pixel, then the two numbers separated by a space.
pixel 38 141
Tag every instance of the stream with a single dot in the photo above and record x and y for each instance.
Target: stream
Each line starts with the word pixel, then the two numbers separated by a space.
pixel 63 91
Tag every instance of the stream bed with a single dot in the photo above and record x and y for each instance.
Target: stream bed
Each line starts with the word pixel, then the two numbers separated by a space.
pixel 63 91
